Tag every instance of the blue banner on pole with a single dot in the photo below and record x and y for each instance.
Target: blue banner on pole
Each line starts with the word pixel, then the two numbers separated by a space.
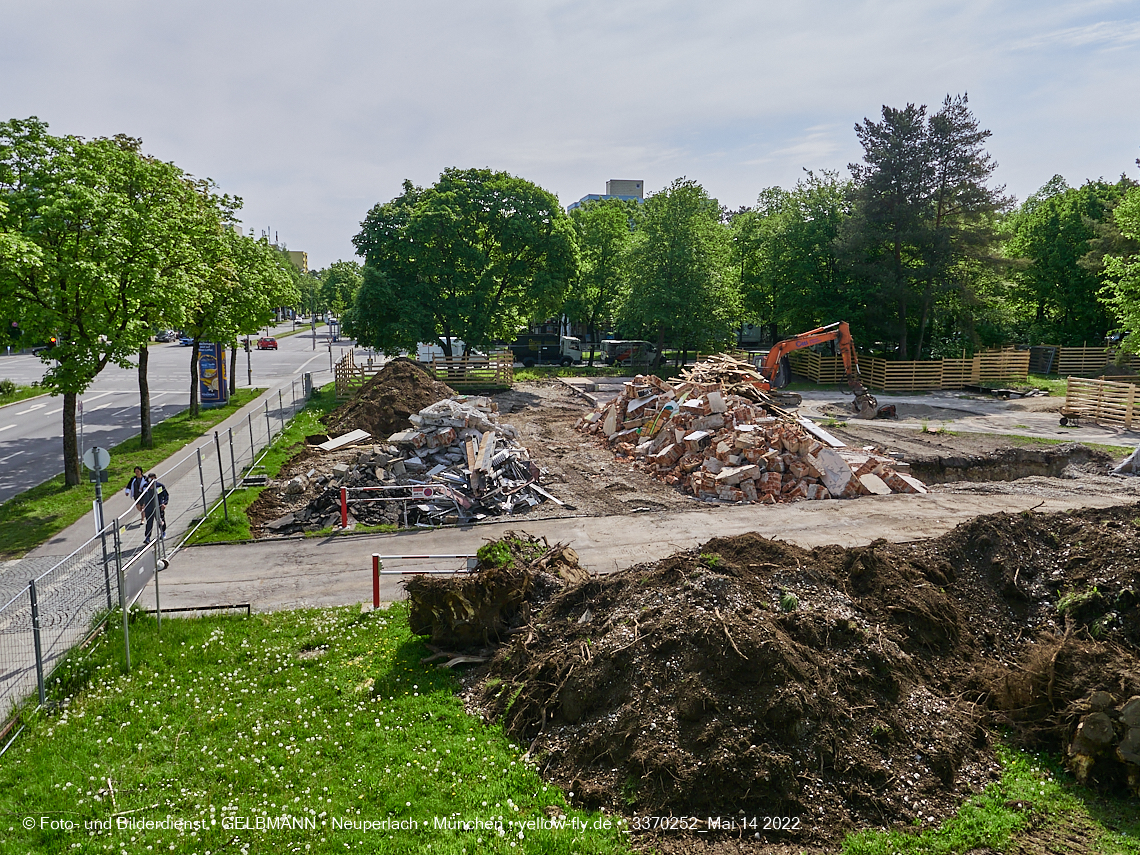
pixel 213 388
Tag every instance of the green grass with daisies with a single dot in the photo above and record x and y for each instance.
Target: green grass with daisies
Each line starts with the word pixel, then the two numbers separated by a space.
pixel 304 731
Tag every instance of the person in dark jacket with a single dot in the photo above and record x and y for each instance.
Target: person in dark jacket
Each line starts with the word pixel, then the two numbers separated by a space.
pixel 135 488
pixel 162 497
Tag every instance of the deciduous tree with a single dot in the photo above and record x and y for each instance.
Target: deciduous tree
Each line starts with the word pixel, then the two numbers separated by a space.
pixel 474 256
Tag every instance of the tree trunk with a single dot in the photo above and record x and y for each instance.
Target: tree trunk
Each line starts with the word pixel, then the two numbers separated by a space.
pixel 194 409
pixel 146 438
pixel 70 441
pixel 660 347
pixel 922 325
pixel 233 369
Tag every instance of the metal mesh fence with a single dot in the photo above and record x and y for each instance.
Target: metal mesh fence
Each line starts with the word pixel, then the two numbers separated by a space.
pixel 17 652
pixel 63 604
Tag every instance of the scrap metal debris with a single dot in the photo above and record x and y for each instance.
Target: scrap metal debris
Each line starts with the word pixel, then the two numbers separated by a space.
pixel 457 463
pixel 732 443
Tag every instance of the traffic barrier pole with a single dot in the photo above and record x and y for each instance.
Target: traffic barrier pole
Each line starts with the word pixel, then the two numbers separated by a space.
pixel 344 507
pixel 375 580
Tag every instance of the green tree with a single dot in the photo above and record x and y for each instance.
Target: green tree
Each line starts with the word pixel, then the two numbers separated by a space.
pixel 1122 272
pixel 474 256
pixel 246 282
pixel 1051 235
pixel 339 284
pixel 923 216
pixel 680 283
pixel 605 233
pixel 60 198
pixel 784 254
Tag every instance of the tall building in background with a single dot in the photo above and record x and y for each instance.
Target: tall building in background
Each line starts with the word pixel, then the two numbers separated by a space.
pixel 616 188
pixel 300 260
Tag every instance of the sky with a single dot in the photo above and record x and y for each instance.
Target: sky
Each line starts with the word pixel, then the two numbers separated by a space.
pixel 314 112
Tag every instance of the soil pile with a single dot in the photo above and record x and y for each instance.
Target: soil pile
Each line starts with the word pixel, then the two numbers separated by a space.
pixel 845 687
pixel 513 575
pixel 385 403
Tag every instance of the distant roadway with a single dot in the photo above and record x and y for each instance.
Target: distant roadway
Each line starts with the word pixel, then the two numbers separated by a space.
pixel 31 431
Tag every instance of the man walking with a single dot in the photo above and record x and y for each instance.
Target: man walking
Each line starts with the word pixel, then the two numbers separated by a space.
pixel 161 499
pixel 135 488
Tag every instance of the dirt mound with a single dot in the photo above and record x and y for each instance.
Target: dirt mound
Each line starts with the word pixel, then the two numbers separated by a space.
pixel 384 403
pixel 842 687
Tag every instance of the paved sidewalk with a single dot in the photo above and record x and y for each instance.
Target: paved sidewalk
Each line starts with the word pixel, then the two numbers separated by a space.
pixel 179 472
pixel 309 572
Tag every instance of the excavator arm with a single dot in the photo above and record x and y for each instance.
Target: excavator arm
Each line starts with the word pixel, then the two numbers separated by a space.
pixel 865 406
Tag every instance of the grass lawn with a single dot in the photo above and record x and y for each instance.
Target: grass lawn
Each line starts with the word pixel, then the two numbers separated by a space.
pixel 216 529
pixel 33 516
pixel 306 731
pixel 20 393
pixel 300 329
pixel 1035 799
pixel 1114 450
pixel 321 730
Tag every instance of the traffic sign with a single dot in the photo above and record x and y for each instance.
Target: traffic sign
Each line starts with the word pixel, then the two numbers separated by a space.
pixel 96 458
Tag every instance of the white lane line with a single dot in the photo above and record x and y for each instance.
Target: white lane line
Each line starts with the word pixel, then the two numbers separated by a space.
pixel 87 398
pixel 307 361
pixel 53 412
pixel 7 427
pixel 31 409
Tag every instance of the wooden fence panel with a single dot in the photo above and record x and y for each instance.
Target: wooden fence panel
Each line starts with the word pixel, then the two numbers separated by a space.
pixel 1003 365
pixel 475 372
pixel 1102 401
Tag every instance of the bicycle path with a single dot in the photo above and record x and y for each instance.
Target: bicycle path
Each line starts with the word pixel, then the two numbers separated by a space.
pixel 306 572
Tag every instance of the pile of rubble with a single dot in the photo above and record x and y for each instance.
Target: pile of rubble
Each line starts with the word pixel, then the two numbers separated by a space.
pixel 457 463
pixel 730 442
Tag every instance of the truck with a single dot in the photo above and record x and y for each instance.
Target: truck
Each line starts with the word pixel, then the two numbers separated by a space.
pixel 427 351
pixel 533 349
pixel 628 352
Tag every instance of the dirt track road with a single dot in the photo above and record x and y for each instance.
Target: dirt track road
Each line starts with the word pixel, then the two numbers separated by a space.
pixel 294 573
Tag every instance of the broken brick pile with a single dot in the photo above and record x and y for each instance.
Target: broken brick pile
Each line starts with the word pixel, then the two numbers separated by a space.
pixel 734 445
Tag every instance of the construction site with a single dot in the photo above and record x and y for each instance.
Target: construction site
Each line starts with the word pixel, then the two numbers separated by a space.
pixel 857 611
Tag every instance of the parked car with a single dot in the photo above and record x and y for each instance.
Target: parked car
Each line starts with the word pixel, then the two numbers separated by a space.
pixel 166 336
pixel 186 341
pixel 267 343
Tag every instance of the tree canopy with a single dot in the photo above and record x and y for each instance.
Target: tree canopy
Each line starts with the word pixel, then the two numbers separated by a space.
pixel 474 256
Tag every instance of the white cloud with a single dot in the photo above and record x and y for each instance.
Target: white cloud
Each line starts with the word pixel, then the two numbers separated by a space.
pixel 313 113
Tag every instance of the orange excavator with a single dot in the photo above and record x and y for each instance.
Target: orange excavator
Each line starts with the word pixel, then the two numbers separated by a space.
pixel 775 369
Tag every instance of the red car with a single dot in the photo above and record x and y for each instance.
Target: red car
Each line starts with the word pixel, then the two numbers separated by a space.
pixel 264 343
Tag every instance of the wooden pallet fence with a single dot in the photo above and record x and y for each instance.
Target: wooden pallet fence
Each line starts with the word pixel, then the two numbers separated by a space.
pixel 1102 401
pixel 1006 364
pixel 1088 361
pixel 475 372
pixel 890 375
pixel 349 376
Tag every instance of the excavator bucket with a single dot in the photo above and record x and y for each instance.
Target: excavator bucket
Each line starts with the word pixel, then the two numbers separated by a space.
pixel 865 406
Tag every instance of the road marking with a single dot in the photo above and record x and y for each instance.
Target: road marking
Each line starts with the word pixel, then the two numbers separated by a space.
pixel 307 361
pixel 100 395
pixel 7 427
pixel 53 412
pixel 30 409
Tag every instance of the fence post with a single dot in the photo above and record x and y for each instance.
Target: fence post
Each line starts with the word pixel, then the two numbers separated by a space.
pixel 106 564
pixel 281 409
pixel 268 426
pixel 293 385
pixel 36 639
pixel 233 461
pixel 157 603
pixel 344 507
pixel 202 483
pixel 375 580
pixel 221 475
pixel 122 594
pixel 252 447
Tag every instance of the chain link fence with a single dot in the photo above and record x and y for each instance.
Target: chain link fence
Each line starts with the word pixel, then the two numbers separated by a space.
pixel 42 620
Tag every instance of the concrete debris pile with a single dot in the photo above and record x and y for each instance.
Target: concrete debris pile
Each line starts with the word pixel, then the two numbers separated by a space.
pixel 457 463
pixel 731 444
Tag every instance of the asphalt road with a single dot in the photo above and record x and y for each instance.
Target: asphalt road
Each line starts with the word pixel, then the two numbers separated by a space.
pixel 31 431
